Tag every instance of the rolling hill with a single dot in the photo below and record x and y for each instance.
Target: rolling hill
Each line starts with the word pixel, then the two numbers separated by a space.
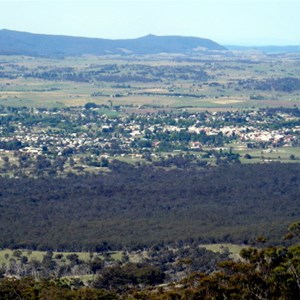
pixel 23 43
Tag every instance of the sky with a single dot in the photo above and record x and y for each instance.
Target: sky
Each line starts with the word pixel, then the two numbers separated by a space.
pixel 234 22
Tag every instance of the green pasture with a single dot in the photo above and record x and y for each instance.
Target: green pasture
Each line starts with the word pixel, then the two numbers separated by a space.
pixel 233 249
pixel 7 254
pixel 282 154
pixel 34 92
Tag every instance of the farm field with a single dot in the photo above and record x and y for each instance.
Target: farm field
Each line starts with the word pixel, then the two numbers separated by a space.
pixel 224 82
pixel 283 154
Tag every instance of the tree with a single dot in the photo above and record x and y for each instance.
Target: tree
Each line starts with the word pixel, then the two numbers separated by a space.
pixel 96 264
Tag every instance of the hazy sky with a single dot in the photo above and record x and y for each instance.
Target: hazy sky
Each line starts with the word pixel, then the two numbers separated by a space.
pixel 241 22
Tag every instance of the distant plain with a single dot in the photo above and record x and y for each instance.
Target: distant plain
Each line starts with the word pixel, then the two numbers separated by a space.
pixel 160 82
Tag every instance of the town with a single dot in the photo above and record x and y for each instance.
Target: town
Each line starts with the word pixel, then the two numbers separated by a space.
pixel 91 138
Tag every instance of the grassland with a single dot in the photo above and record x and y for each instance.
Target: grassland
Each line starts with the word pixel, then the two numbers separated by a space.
pixel 6 254
pixel 26 81
pixel 283 154
pixel 233 249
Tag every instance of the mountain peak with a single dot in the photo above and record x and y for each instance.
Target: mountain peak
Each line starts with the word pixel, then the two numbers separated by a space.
pixel 150 35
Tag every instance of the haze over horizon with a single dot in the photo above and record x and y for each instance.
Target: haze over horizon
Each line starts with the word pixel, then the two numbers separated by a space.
pixel 244 22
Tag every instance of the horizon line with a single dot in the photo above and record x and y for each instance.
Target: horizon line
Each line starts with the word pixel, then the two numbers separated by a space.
pixel 232 44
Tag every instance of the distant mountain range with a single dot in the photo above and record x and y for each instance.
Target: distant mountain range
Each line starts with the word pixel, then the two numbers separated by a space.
pixel 266 49
pixel 23 43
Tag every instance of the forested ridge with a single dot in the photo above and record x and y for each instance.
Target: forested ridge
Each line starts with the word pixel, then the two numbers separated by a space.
pixel 139 206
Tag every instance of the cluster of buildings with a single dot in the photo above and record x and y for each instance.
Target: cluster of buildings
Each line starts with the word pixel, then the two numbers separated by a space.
pixel 91 132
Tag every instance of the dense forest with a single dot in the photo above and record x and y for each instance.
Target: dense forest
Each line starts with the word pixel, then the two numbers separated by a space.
pixel 142 206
